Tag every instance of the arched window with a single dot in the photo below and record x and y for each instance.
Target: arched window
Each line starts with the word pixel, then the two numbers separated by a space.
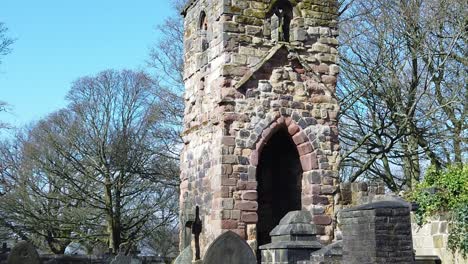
pixel 280 15
pixel 203 29
pixel 203 25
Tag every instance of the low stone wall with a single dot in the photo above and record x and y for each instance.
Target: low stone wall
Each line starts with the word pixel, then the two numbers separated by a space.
pixel 431 239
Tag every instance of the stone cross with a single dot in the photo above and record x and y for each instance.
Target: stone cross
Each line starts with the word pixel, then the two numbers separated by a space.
pixel 196 230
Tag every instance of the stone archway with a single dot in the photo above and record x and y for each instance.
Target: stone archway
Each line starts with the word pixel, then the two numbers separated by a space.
pixel 283 136
pixel 279 177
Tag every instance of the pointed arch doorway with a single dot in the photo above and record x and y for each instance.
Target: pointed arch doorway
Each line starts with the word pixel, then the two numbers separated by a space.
pixel 279 178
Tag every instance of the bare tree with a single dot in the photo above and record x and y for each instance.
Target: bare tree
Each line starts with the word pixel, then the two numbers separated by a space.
pixel 395 54
pixel 5 48
pixel 103 154
pixel 5 41
pixel 36 204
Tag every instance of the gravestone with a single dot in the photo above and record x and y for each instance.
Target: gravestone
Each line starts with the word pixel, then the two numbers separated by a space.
pixel 185 256
pixel 229 248
pixel 23 253
pixel 292 241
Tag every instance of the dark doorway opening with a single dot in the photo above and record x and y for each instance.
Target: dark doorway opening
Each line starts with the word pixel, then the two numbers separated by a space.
pixel 279 176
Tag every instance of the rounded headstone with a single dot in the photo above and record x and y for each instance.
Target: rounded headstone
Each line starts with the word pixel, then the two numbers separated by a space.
pixel 229 248
pixel 23 253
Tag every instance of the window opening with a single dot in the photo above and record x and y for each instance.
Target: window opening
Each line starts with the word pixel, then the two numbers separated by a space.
pixel 280 16
pixel 203 27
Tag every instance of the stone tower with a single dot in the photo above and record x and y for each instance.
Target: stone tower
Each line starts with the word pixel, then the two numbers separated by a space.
pixel 260 125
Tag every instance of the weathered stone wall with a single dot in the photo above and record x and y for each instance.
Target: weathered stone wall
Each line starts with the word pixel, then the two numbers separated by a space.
pixel 431 240
pixel 201 167
pixel 358 193
pixel 239 92
pixel 377 233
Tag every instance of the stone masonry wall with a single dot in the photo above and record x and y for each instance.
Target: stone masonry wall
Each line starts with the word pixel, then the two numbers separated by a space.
pixel 377 233
pixel 239 92
pixel 431 240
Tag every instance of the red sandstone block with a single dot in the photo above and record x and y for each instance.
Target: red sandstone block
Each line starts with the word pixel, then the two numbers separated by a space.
pixel 317 199
pixel 300 138
pixel 299 70
pixel 273 126
pixel 249 195
pixel 260 144
pixel 293 129
pixel 254 158
pixel 229 224
pixel 309 162
pixel 304 148
pixel 266 133
pixel 246 205
pixel 184 184
pixel 280 120
pixel 322 220
pixel 249 217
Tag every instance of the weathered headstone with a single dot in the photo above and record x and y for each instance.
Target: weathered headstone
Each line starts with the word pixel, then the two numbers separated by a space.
pixel 23 253
pixel 229 248
pixel 185 256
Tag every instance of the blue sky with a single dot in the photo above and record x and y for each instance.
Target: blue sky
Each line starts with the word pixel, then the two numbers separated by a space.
pixel 59 41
